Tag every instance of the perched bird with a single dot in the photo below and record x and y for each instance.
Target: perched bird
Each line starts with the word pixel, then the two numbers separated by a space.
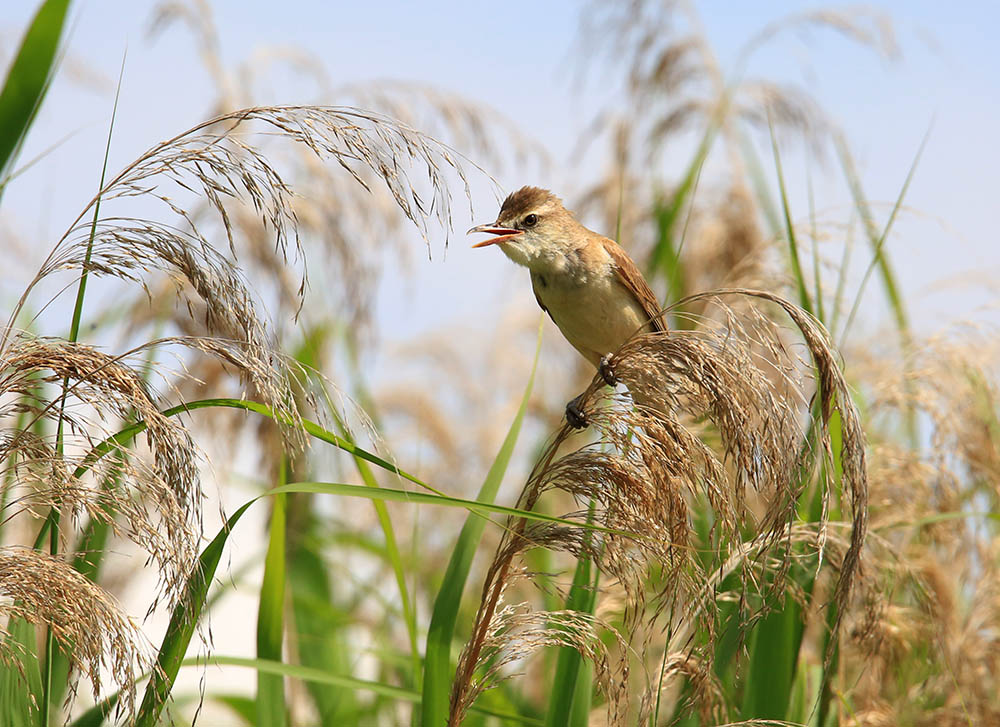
pixel 585 282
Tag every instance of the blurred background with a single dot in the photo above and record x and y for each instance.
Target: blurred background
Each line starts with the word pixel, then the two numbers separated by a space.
pixel 540 75
pixel 876 123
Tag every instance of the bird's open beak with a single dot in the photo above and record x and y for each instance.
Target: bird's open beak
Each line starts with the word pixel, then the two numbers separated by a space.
pixel 502 234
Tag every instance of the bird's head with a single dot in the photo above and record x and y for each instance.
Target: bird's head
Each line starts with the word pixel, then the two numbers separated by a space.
pixel 533 228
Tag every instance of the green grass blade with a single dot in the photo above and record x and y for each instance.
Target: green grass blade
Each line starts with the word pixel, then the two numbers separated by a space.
pixel 793 247
pixel 313 341
pixel 881 261
pixel 841 288
pixel 127 434
pixel 320 677
pixel 668 255
pixel 305 674
pixel 827 699
pixel 321 641
pixel 28 80
pixel 20 678
pixel 563 692
pixel 81 291
pixel 761 187
pixel 571 690
pixel 95 716
pixel 482 509
pixel 878 239
pixel 814 234
pixel 771 677
pixel 270 618
pixel 584 697
pixel 770 674
pixel 667 250
pixel 438 671
pixel 395 559
pixel 182 625
pixel 437 498
pixel 241 706
pixel 55 672
pixel 91 548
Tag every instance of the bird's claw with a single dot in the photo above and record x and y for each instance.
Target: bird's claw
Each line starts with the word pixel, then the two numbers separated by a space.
pixel 606 371
pixel 575 415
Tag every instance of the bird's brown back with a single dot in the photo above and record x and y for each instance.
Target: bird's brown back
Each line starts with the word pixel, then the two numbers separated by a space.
pixel 633 280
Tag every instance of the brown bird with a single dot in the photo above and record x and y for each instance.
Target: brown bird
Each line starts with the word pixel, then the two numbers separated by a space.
pixel 585 282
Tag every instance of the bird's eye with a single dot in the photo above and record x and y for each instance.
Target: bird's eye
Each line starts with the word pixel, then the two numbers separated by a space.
pixel 531 220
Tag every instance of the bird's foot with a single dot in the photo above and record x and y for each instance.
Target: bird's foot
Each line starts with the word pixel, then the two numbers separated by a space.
pixel 575 414
pixel 606 371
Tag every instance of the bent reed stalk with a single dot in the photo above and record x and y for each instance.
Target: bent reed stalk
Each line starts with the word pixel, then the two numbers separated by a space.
pixel 649 466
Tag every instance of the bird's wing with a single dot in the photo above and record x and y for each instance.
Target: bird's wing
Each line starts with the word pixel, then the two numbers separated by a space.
pixel 538 298
pixel 633 281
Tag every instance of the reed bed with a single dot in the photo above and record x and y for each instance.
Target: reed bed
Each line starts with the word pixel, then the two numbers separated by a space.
pixel 768 521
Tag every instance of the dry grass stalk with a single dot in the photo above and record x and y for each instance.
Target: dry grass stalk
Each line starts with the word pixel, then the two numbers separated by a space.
pixel 932 601
pixel 114 393
pixel 652 464
pixel 675 84
pixel 85 621
pixel 676 81
pixel 517 631
pixel 157 503
pixel 349 232
pixel 213 161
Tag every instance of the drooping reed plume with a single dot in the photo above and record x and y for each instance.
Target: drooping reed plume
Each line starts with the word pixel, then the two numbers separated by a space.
pixel 734 382
pixel 348 231
pixel 931 604
pixel 62 401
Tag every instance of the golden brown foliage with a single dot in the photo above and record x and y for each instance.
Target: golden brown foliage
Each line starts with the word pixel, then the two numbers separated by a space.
pixel 653 462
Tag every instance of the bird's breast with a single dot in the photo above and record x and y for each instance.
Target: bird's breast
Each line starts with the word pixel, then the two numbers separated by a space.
pixel 596 315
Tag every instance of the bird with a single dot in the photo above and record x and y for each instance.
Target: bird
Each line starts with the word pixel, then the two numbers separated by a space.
pixel 588 285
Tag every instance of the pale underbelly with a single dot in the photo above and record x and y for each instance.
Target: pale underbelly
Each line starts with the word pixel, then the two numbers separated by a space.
pixel 595 319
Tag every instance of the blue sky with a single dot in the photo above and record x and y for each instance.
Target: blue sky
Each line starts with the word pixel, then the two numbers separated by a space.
pixel 522 57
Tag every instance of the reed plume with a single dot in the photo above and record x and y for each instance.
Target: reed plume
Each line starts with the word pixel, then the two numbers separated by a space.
pixel 732 381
